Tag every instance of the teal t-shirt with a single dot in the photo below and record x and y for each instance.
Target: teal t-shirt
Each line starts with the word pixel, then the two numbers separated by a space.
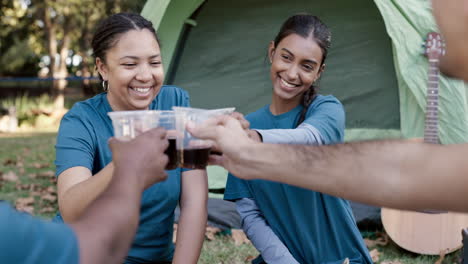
pixel 82 141
pixel 25 239
pixel 315 227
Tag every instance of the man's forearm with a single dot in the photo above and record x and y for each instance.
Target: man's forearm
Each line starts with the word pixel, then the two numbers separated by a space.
pixel 105 230
pixel 396 174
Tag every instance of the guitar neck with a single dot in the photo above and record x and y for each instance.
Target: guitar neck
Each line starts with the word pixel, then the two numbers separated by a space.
pixel 431 131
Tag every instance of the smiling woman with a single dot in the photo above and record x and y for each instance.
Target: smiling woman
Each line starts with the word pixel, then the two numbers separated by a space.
pixel 133 70
pixel 288 224
pixel 128 59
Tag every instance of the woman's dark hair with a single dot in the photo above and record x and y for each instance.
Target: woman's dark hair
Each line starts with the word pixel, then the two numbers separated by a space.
pixel 306 25
pixel 109 30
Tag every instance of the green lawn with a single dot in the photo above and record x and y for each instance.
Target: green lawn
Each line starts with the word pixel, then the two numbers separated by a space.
pixel 29 157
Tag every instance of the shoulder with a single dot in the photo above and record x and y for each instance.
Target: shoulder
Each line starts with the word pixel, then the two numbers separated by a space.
pixel 84 116
pixel 173 91
pixel 326 113
pixel 86 107
pixel 259 114
pixel 328 104
pixel 326 99
pixel 169 96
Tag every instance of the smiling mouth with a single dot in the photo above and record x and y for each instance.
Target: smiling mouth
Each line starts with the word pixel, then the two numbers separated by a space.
pixel 141 90
pixel 288 84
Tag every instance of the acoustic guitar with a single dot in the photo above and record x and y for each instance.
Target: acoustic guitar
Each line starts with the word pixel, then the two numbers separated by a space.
pixel 427 232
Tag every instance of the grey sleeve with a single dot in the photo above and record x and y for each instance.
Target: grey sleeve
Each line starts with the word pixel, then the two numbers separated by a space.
pixel 262 236
pixel 304 134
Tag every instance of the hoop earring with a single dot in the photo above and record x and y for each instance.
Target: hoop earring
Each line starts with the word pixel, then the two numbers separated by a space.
pixel 105 85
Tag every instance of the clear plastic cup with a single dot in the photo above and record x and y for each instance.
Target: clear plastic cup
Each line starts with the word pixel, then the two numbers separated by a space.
pixel 129 124
pixel 194 152
pixel 167 120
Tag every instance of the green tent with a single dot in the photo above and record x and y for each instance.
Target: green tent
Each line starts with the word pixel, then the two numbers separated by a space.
pixel 217 51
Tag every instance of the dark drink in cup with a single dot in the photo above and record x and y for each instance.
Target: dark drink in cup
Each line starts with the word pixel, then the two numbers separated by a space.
pixel 195 158
pixel 171 153
pixel 194 152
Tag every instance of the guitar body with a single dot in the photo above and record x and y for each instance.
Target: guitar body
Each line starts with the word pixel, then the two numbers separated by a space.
pixel 425 233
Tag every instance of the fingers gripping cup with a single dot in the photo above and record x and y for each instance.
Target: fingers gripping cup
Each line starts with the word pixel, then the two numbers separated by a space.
pixel 129 124
pixel 194 152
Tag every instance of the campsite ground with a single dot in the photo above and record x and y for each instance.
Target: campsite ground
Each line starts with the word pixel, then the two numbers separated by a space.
pixel 27 180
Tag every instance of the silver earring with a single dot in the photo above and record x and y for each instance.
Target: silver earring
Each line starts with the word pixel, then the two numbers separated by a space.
pixel 105 85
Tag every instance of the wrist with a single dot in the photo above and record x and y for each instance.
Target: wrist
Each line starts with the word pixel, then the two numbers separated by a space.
pixel 124 175
pixel 255 135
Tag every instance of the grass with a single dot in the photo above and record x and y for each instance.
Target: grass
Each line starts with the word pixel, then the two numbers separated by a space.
pixel 222 250
pixel 30 156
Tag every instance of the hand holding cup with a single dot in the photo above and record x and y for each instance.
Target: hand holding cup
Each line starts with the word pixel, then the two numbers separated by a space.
pixel 142 156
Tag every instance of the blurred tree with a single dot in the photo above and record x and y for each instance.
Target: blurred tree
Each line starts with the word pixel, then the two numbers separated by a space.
pixel 70 23
pixel 18 53
pixel 54 29
pixel 88 21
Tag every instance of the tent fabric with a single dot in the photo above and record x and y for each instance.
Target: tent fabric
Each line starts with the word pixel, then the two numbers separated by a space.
pixel 154 11
pixel 223 60
pixel 407 23
pixel 169 18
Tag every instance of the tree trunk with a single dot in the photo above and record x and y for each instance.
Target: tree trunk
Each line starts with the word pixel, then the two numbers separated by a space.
pixel 51 41
pixel 84 44
pixel 60 83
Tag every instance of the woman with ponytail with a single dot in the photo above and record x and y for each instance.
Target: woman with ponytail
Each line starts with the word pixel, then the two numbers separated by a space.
pixel 288 224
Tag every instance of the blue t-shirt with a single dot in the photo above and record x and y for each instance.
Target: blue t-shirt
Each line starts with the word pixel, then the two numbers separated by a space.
pixel 82 141
pixel 315 227
pixel 25 239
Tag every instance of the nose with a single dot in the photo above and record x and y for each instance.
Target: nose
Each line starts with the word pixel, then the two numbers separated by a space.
pixel 144 73
pixel 292 73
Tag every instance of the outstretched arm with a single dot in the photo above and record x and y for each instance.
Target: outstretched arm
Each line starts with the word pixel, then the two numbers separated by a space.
pixel 303 134
pixel 394 173
pixel 397 174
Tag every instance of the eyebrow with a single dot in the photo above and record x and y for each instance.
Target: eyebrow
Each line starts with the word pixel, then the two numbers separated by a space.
pixel 307 61
pixel 136 58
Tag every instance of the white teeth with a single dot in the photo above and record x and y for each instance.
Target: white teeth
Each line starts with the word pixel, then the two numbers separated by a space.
pixel 287 84
pixel 141 90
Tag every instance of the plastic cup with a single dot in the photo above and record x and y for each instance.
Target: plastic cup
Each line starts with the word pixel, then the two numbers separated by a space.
pixel 129 124
pixel 167 120
pixel 194 152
